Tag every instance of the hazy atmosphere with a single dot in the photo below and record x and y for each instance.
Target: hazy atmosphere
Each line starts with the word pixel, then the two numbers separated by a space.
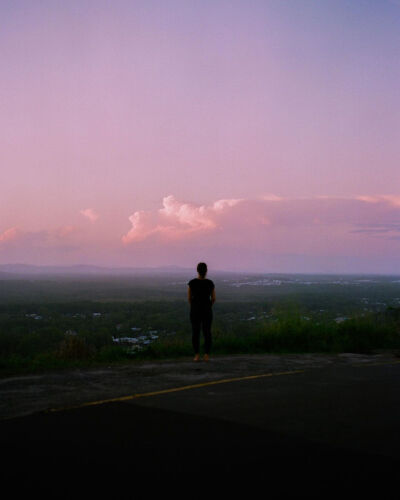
pixel 258 135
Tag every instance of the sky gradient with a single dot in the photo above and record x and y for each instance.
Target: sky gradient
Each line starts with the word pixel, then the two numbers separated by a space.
pixel 253 135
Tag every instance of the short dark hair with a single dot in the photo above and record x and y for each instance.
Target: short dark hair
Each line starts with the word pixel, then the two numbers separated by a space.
pixel 202 268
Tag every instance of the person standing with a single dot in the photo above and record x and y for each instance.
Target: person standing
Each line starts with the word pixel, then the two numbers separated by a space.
pixel 201 297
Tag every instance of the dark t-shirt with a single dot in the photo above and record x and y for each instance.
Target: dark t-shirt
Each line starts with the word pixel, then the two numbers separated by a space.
pixel 201 293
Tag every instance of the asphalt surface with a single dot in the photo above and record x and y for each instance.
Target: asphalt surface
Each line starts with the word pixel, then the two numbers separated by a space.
pixel 307 432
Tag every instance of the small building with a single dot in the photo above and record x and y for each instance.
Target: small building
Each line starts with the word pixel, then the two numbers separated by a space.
pixel 125 340
pixel 71 333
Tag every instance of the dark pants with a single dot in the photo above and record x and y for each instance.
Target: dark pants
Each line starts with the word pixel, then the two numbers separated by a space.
pixel 201 320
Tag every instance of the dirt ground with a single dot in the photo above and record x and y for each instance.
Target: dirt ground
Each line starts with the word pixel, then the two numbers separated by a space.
pixel 23 395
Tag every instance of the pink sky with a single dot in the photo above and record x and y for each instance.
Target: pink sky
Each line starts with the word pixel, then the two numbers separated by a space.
pixel 261 135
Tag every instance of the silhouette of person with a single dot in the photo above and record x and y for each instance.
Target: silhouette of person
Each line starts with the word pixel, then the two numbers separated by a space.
pixel 201 297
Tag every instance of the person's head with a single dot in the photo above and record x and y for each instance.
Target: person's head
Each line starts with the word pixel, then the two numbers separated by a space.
pixel 202 269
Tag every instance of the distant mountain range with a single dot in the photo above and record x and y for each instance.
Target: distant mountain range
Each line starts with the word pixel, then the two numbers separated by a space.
pixel 27 269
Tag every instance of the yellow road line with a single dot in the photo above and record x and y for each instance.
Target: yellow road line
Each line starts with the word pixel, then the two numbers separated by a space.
pixel 174 389
pixel 195 386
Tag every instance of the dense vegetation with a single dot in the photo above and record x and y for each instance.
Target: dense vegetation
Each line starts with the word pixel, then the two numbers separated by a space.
pixel 63 322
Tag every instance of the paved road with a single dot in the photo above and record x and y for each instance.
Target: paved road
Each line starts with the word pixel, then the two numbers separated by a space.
pixel 314 432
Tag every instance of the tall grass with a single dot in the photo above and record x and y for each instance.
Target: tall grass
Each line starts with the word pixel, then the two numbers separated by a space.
pixel 289 333
pixel 292 334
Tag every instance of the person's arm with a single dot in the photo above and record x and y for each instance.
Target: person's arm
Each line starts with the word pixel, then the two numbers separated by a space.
pixel 189 295
pixel 213 296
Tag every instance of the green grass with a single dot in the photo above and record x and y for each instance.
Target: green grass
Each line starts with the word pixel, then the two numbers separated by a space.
pixel 289 333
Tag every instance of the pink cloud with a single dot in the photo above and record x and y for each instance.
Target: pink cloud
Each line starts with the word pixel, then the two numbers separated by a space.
pixel 257 233
pixel 9 234
pixel 90 214
pixel 272 197
pixel 50 237
pixel 63 231
pixel 176 219
pixel 274 224
pixel 59 234
pixel 47 246
pixel 385 198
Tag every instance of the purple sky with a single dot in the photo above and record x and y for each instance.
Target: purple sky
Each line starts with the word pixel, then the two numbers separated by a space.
pixel 254 135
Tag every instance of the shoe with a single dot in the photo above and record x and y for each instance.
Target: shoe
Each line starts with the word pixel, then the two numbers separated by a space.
pixel 206 357
pixel 196 358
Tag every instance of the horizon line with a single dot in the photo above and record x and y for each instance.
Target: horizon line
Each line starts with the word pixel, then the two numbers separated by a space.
pixel 172 267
